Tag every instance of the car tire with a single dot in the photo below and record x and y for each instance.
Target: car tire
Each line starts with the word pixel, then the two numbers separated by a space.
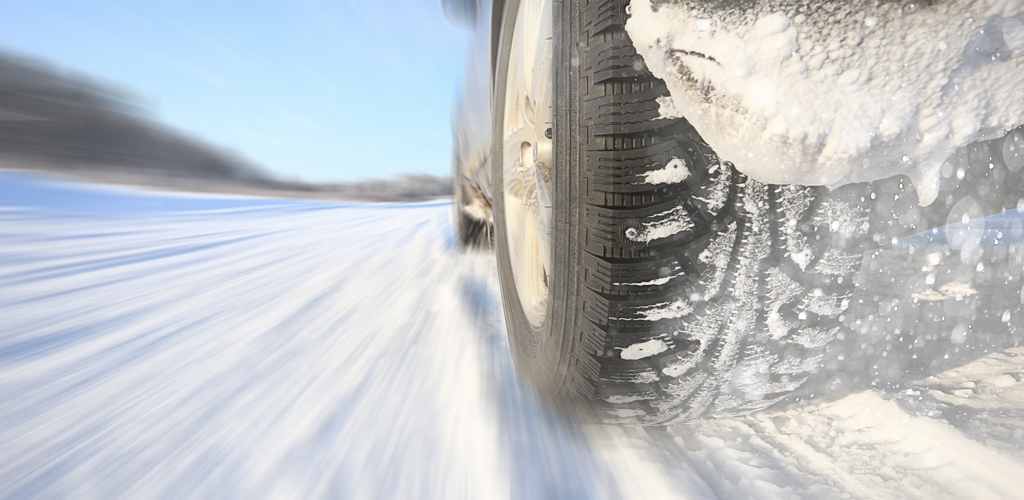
pixel 673 295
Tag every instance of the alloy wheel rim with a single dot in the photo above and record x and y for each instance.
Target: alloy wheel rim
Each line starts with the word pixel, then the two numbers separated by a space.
pixel 526 156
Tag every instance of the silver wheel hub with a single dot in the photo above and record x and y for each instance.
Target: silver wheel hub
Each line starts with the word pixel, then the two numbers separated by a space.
pixel 526 156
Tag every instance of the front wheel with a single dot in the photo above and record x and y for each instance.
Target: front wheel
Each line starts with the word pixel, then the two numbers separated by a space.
pixel 644 280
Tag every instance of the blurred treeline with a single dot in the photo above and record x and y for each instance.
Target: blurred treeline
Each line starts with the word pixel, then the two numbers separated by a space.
pixel 55 121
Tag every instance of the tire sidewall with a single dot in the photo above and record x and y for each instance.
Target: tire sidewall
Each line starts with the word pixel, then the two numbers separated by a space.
pixel 539 353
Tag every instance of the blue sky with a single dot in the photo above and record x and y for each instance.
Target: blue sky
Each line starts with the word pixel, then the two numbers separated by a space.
pixel 314 90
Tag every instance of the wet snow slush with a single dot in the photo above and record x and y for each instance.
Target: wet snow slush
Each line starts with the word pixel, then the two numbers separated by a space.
pixel 170 346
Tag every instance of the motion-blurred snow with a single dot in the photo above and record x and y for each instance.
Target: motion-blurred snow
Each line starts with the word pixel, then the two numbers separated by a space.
pixel 176 346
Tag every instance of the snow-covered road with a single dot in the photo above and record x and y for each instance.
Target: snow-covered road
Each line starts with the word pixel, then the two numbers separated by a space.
pixel 169 346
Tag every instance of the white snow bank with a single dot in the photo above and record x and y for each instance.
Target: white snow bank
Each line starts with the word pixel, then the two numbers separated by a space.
pixel 811 92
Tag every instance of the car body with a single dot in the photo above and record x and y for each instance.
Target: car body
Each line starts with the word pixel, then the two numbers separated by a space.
pixel 472 115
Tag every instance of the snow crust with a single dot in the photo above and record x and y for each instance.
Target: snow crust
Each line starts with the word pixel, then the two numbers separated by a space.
pixel 643 350
pixel 674 172
pixel 654 282
pixel 662 225
pixel 716 195
pixel 829 93
pixel 666 310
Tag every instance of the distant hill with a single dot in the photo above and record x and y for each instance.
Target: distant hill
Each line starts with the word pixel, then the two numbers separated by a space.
pixel 59 122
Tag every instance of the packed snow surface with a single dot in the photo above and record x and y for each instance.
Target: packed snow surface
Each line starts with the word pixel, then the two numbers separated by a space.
pixel 156 346
pixel 832 92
